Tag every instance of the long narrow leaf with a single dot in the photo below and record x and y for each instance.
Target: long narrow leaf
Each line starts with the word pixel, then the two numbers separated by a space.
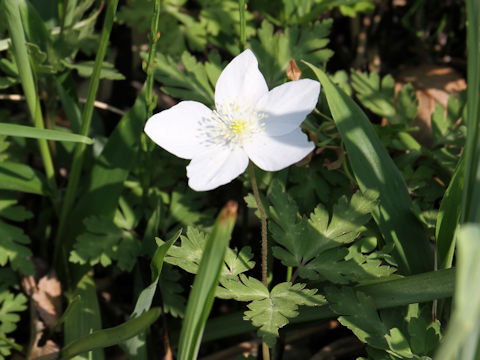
pixel 449 217
pixel 108 337
pixel 461 340
pixel 35 133
pixel 471 193
pixel 205 284
pixel 84 316
pixel 135 346
pixel 16 31
pixel 374 169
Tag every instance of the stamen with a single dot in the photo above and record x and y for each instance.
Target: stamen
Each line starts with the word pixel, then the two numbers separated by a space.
pixel 231 124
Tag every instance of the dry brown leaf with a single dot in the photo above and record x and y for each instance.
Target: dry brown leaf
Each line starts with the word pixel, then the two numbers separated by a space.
pixel 48 300
pixel 45 310
pixel 293 72
pixel 434 85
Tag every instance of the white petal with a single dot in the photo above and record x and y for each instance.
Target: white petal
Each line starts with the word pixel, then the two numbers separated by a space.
pixel 216 167
pixel 177 129
pixel 272 153
pixel 240 82
pixel 287 105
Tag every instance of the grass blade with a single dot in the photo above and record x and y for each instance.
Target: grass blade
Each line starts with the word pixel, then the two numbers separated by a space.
pixel 449 217
pixel 471 193
pixel 135 346
pixel 84 316
pixel 111 336
pixel 374 169
pixel 17 35
pixel 464 328
pixel 201 296
pixel 36 133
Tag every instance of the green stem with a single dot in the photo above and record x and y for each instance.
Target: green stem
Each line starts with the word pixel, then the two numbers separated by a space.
pixel 79 153
pixel 154 36
pixel 265 351
pixel 243 24
pixel 289 273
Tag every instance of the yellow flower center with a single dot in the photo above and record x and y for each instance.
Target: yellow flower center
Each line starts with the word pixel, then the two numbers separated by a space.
pixel 238 126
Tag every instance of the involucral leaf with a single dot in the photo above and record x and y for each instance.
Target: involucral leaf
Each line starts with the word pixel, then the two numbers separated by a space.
pixel 189 253
pixel 269 311
pixel 313 245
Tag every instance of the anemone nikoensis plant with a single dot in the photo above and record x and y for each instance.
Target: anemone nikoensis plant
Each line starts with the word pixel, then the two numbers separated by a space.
pixel 250 122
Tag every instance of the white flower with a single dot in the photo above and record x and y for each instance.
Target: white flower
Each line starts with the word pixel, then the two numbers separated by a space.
pixel 249 122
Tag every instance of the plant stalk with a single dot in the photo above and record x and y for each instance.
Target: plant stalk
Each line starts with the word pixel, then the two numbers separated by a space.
pixel 263 220
pixel 256 194
pixel 154 36
pixel 243 24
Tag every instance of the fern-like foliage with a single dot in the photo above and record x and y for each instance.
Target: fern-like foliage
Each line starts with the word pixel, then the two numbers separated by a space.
pixel 275 50
pixel 103 243
pixel 189 253
pixel 13 244
pixel 316 245
pixel 195 82
pixel 10 306
pixel 390 334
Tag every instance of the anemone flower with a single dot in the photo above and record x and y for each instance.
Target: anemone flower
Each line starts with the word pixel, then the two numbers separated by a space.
pixel 249 122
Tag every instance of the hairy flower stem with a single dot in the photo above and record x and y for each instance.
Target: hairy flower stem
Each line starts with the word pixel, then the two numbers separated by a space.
pixel 263 221
pixel 265 349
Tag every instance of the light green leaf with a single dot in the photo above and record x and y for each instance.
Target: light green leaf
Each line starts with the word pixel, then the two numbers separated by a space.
pixel 242 289
pixel 375 94
pixel 35 133
pixel 274 311
pixel 10 306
